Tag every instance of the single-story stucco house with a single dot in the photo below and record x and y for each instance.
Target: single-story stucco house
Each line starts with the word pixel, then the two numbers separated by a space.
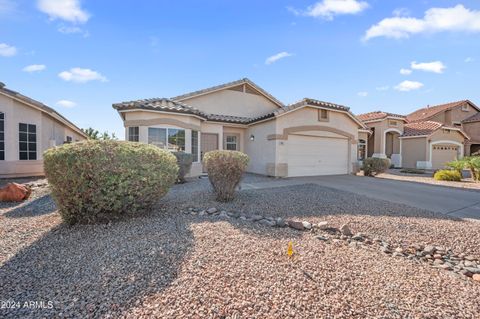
pixel 309 137
pixel 427 138
pixel 27 129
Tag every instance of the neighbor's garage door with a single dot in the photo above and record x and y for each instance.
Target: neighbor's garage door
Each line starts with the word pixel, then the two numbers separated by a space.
pixel 442 154
pixel 312 155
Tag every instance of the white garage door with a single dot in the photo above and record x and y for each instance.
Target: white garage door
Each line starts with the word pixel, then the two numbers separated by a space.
pixel 312 155
pixel 442 154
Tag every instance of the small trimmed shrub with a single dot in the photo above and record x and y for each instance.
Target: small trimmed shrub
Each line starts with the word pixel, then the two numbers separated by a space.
pixel 99 181
pixel 184 162
pixel 447 175
pixel 225 170
pixel 373 166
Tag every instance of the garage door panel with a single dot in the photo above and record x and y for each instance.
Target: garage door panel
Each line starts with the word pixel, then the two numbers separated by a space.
pixel 442 154
pixel 310 156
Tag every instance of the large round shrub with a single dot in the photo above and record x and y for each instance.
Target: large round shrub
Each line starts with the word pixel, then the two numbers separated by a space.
pixel 97 181
pixel 373 166
pixel 225 170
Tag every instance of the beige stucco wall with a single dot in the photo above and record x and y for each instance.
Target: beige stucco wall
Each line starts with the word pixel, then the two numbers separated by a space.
pixel 379 136
pixel 441 135
pixel 50 132
pixel 413 150
pixel 261 150
pixel 308 116
pixel 453 115
pixel 232 103
pixel 473 131
pixel 419 149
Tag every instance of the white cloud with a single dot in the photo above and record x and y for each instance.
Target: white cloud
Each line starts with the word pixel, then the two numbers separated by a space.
pixel 406 86
pixel 73 30
pixel 382 88
pixel 34 68
pixel 66 103
pixel 80 75
pixel 435 66
pixel 362 94
pixel 7 50
pixel 457 18
pixel 469 59
pixel 327 9
pixel 405 71
pixel 68 10
pixel 401 12
pixel 276 57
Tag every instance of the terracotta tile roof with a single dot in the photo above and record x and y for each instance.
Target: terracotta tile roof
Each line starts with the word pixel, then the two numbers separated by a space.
pixel 377 115
pixel 420 128
pixel 43 107
pixel 159 104
pixel 314 102
pixel 309 101
pixel 168 105
pixel 473 118
pixel 227 85
pixel 427 112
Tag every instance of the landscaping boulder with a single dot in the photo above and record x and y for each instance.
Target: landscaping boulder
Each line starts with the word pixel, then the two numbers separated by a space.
pixel 14 192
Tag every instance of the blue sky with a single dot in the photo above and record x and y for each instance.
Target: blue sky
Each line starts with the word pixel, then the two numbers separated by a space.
pixel 81 56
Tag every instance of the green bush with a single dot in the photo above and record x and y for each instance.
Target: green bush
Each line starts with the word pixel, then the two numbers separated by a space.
pixel 373 166
pixel 225 170
pixel 447 175
pixel 98 181
pixel 472 163
pixel 457 165
pixel 184 162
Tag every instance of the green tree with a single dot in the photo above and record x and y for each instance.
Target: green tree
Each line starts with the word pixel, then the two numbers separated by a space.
pixel 94 134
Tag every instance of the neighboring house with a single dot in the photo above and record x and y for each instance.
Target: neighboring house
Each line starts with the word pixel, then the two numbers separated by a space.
pixel 27 129
pixel 427 138
pixel 309 137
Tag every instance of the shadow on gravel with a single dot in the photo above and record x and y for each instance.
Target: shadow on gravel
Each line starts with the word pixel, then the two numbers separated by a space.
pixel 94 270
pixel 37 207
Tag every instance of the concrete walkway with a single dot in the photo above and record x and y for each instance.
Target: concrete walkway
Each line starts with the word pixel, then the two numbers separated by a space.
pixel 445 200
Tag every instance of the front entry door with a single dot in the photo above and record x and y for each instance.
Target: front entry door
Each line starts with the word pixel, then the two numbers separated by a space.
pixel 208 142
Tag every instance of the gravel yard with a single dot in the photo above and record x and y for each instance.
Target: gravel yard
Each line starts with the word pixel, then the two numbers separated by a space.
pixel 172 264
pixel 427 178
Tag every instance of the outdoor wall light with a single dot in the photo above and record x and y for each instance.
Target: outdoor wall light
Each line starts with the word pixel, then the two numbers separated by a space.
pixel 252 137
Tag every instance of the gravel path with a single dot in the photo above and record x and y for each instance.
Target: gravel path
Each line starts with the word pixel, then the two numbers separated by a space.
pixel 170 264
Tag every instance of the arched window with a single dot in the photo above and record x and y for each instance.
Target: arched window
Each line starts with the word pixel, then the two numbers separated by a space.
pixel 362 145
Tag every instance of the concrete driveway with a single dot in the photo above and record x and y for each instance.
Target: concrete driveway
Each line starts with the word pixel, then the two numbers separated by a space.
pixel 440 199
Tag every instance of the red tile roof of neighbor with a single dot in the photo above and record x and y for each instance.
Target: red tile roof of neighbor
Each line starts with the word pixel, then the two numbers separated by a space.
pixel 426 128
pixel 474 118
pixel 427 112
pixel 421 128
pixel 377 115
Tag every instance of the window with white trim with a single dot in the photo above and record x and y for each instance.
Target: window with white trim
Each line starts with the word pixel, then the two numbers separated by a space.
pixel 231 143
pixel 27 137
pixel 195 147
pixel 362 146
pixel 133 134
pixel 2 136
pixel 168 138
